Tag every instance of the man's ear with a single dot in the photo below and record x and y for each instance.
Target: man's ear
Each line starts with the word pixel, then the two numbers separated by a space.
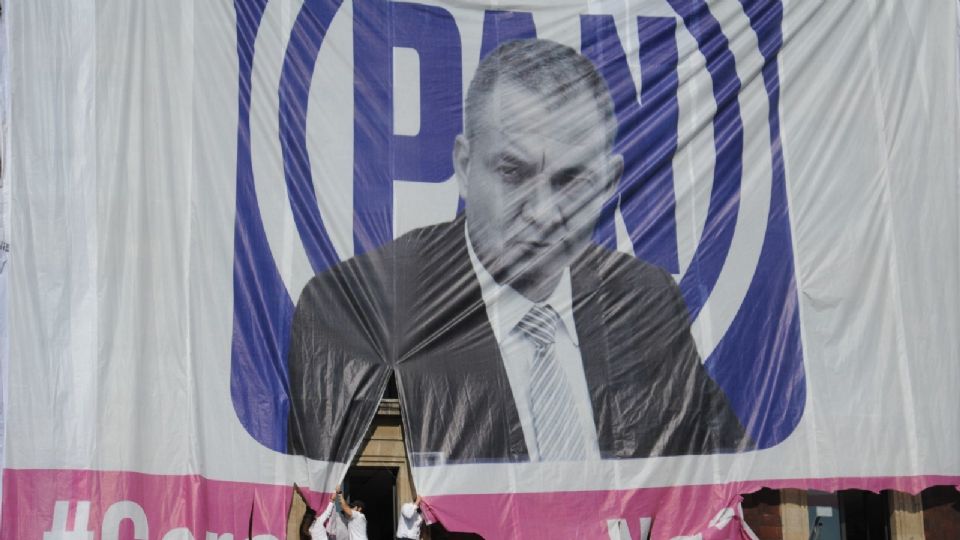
pixel 616 171
pixel 461 163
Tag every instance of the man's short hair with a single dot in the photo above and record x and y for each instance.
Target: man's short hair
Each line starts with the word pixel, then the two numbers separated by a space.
pixel 556 72
pixel 358 504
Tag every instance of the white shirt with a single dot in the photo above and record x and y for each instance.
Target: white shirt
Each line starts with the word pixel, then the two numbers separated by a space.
pixel 357 526
pixel 318 530
pixel 409 522
pixel 505 307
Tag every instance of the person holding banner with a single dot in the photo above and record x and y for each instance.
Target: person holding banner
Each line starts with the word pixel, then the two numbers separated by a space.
pixel 318 528
pixel 410 520
pixel 353 517
pixel 513 336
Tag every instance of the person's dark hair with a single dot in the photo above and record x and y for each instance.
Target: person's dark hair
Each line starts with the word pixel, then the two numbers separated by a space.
pixel 308 518
pixel 554 71
pixel 358 504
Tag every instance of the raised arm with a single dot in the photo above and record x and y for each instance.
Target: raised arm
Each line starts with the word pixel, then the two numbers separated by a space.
pixel 329 510
pixel 343 504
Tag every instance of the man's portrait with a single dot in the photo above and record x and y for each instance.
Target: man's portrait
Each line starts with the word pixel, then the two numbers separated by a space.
pixel 513 337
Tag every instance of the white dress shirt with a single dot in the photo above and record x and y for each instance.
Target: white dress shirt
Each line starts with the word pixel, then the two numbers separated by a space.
pixel 318 530
pixel 356 525
pixel 505 307
pixel 409 522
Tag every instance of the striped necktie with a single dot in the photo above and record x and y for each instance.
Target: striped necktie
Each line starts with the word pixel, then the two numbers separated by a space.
pixel 551 401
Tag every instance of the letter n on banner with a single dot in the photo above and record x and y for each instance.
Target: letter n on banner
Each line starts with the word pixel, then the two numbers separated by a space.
pixel 646 134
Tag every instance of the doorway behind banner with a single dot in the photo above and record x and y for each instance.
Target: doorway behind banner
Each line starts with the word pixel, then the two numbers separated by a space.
pixel 380 475
pixel 377 488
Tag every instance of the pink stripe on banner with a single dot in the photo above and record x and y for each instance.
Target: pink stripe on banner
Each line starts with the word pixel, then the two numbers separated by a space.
pixel 125 505
pixel 64 505
pixel 710 512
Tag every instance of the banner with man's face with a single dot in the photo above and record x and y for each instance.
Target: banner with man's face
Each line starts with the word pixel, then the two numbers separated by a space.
pixel 624 261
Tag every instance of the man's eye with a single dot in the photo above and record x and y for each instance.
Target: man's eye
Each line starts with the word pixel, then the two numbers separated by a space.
pixel 509 172
pixel 573 181
pixel 563 181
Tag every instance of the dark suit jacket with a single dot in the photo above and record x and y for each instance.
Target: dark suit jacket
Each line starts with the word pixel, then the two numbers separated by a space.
pixel 414 306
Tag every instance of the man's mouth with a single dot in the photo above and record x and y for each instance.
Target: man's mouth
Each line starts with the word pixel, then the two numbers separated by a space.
pixel 536 252
pixel 534 245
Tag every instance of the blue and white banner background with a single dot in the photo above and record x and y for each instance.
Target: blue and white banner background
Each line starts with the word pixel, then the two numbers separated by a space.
pixel 179 173
pixel 750 335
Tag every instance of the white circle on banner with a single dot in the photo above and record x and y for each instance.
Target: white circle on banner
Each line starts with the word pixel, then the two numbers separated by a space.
pixel 329 134
pixel 266 156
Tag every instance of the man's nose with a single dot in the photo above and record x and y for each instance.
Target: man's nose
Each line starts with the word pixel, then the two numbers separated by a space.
pixel 540 204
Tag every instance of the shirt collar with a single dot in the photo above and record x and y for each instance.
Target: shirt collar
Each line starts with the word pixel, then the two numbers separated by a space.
pixel 505 306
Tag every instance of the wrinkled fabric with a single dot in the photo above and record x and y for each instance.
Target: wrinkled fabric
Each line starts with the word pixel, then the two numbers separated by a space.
pixel 231 224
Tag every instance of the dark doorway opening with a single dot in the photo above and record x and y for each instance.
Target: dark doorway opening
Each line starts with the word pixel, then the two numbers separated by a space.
pixel 865 515
pixel 377 488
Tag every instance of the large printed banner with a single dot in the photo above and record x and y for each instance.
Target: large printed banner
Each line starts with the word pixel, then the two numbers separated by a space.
pixel 626 260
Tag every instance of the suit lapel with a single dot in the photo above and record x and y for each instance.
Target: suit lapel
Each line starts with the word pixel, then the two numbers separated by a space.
pixel 456 334
pixel 588 301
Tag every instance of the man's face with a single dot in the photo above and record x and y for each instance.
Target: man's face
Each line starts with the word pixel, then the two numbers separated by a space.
pixel 534 180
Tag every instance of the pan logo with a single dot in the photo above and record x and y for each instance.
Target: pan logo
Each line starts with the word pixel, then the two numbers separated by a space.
pixel 345 130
